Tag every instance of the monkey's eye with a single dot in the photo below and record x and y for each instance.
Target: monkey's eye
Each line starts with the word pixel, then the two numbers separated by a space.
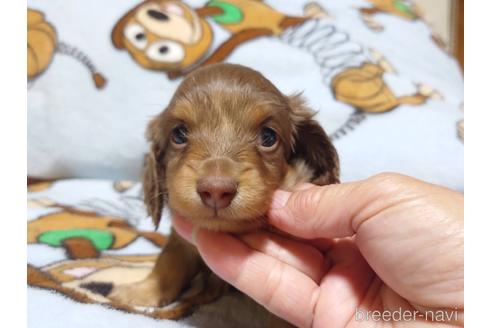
pixel 136 35
pixel 166 51
pixel 178 135
pixel 268 137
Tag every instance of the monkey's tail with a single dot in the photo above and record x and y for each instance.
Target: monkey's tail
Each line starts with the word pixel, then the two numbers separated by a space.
pixel 354 119
pixel 74 52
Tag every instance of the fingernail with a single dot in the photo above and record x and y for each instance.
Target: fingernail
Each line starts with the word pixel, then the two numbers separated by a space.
pixel 280 198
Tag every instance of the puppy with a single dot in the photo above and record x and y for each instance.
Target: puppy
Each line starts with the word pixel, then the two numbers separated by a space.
pixel 228 139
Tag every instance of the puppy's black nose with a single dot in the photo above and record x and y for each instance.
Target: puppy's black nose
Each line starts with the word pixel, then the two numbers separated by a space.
pixel 157 15
pixel 216 192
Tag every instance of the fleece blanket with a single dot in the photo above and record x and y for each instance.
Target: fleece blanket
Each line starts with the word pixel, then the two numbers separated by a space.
pixel 85 236
pixel 98 71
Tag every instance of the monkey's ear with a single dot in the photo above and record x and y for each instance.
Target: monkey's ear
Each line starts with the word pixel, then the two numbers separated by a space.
pixel 154 175
pixel 117 33
pixel 311 144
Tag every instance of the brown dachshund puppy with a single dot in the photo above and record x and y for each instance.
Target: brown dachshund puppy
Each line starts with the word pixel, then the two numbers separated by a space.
pixel 228 139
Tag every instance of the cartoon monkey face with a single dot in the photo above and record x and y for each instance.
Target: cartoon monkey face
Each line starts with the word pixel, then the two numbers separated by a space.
pixel 163 35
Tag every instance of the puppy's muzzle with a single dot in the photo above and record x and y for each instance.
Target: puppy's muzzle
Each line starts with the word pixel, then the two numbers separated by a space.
pixel 216 192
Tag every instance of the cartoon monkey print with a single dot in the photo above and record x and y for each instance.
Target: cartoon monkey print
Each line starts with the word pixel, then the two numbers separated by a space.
pixel 170 36
pixel 404 9
pixel 43 43
pixel 83 234
pixel 364 88
pixel 401 8
pixel 91 281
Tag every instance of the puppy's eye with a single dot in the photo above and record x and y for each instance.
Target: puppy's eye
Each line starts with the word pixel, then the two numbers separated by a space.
pixel 268 137
pixel 178 135
pixel 136 35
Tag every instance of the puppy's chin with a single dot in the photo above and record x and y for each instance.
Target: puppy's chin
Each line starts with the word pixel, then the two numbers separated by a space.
pixel 231 226
pixel 222 223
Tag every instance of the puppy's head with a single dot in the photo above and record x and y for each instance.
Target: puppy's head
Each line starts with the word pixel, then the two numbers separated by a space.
pixel 226 141
pixel 163 35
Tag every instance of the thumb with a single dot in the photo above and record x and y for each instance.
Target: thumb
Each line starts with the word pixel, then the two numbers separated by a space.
pixel 334 211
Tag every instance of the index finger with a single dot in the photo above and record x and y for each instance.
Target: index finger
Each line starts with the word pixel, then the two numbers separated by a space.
pixel 338 210
pixel 282 289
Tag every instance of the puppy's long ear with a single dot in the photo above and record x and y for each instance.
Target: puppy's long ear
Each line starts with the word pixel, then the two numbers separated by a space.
pixel 311 144
pixel 154 176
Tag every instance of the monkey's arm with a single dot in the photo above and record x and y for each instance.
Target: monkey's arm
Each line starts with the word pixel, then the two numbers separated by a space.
pixel 209 11
pixel 226 48
pixel 369 11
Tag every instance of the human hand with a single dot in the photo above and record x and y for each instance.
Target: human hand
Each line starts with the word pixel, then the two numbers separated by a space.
pixel 388 243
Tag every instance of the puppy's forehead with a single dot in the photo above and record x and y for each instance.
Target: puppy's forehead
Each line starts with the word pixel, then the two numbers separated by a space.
pixel 223 106
pixel 228 93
